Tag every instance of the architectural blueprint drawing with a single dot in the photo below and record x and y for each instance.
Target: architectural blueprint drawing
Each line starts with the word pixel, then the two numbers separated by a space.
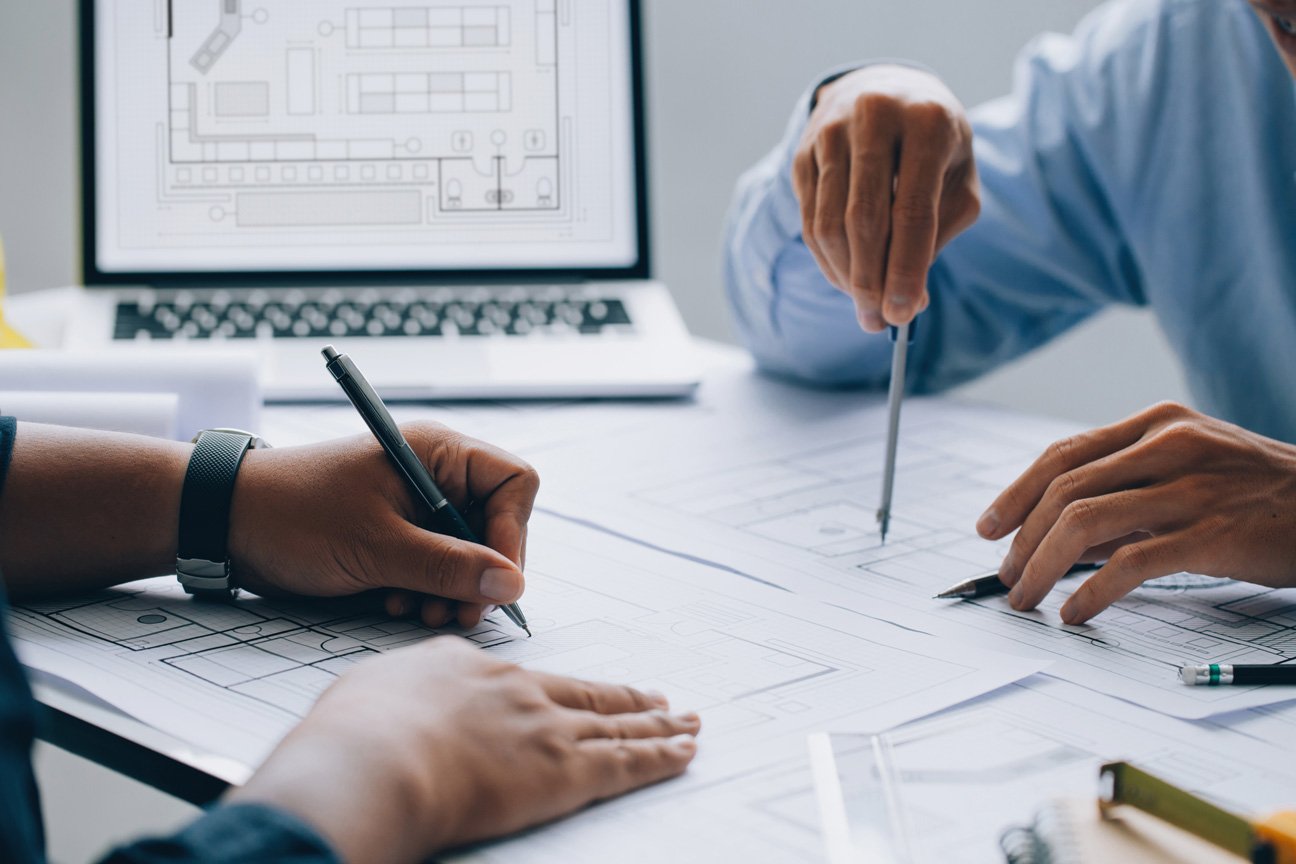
pixel 966 774
pixel 264 125
pixel 762 667
pixel 782 485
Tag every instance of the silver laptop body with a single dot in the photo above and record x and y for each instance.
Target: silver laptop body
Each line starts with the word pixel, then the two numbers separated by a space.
pixel 455 195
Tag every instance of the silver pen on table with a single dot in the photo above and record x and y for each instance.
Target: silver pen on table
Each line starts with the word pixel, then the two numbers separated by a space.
pixel 902 336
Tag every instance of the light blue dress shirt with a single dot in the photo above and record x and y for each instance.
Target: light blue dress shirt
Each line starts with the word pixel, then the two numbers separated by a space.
pixel 1149 159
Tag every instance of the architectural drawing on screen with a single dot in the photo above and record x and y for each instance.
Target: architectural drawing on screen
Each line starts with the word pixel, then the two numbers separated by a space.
pixel 346 112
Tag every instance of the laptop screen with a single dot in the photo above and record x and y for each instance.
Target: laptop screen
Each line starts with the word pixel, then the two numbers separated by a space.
pixel 333 138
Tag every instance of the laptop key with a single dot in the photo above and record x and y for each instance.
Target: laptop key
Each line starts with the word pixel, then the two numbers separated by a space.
pixel 294 315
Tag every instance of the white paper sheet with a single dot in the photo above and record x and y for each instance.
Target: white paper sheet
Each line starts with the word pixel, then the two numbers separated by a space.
pixel 762 667
pixel 965 775
pixel 782 484
pixel 216 388
pixel 152 414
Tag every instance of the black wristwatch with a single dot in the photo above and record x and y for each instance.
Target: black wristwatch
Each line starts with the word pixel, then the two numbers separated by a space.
pixel 202 556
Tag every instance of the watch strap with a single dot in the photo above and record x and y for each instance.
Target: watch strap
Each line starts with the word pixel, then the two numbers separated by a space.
pixel 202 556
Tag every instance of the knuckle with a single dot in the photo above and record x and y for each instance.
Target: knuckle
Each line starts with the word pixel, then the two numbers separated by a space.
pixel 1060 453
pixel 1181 435
pixel 1063 488
pixel 585 695
pixel 914 212
pixel 864 212
pixel 1134 558
pixel 803 161
pixel 829 226
pixel 968 208
pixel 833 135
pixel 1080 516
pixel 1167 410
pixel 932 120
pixel 632 697
pixel 628 761
pixel 525 699
pixel 875 106
pixel 553 746
pixel 426 429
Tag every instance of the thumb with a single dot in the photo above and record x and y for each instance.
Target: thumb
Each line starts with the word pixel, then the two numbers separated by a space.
pixel 455 569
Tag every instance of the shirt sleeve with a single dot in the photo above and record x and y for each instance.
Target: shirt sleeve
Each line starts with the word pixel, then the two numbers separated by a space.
pixel 1047 252
pixel 230 834
pixel 8 431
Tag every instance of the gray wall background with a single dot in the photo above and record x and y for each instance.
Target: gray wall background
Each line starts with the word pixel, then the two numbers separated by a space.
pixel 723 76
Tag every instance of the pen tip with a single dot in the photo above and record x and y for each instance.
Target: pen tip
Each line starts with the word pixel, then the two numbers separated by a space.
pixel 528 630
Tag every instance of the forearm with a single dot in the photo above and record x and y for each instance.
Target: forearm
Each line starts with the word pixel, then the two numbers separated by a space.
pixel 787 314
pixel 83 510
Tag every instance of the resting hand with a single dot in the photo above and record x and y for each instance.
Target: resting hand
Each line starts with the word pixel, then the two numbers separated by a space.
pixel 1164 491
pixel 886 177
pixel 438 745
pixel 337 518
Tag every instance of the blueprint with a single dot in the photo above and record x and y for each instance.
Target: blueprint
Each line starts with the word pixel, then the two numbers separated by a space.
pixel 966 774
pixel 422 132
pixel 782 485
pixel 763 668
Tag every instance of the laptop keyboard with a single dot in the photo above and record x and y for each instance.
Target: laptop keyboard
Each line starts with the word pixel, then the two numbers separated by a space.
pixel 429 312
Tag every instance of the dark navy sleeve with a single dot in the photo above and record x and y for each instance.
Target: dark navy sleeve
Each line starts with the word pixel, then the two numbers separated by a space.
pixel 22 838
pixel 236 833
pixel 241 833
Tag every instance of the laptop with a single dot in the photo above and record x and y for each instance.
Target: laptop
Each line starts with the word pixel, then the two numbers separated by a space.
pixel 453 192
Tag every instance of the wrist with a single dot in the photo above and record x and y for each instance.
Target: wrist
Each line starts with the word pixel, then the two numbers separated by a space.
pixel 368 805
pixel 248 512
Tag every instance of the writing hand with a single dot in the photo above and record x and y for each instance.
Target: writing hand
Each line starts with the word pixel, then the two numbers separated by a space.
pixel 1164 491
pixel 336 519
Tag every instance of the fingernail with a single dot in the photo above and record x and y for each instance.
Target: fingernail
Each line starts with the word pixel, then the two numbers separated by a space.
pixel 686 744
pixel 658 699
pixel 1015 596
pixel 988 524
pixel 872 322
pixel 1070 616
pixel 690 719
pixel 501 586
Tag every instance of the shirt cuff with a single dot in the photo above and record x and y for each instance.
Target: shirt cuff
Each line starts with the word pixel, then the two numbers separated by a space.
pixel 233 833
pixel 8 432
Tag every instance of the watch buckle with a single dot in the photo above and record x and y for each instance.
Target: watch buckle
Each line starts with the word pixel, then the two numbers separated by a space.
pixel 199 574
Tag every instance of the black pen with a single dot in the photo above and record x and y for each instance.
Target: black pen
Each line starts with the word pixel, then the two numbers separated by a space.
pixel 445 518
pixel 1216 674
pixel 989 584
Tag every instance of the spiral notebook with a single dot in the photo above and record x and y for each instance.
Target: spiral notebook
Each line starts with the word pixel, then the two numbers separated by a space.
pixel 1072 831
